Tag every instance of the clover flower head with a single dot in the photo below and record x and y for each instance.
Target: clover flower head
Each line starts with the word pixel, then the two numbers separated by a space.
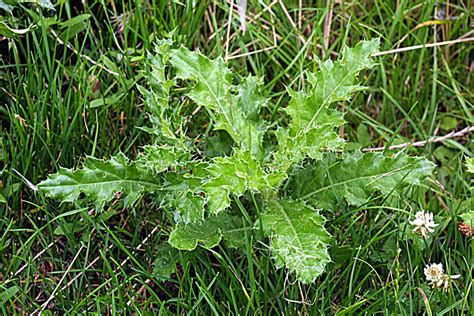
pixel 423 223
pixel 436 277
pixel 434 272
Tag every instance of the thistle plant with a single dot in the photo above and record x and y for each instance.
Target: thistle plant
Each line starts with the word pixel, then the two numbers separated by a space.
pixel 273 177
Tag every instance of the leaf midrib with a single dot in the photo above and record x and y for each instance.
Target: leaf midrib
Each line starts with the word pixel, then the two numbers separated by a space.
pixel 202 79
pixel 290 223
pixel 355 179
pixel 97 183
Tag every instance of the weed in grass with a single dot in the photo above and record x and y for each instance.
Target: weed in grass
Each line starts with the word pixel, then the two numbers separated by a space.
pixel 46 90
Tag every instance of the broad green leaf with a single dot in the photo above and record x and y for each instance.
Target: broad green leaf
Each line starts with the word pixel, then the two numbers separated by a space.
pixel 356 177
pixel 235 174
pixel 209 233
pixel 363 135
pixel 162 123
pixel 100 181
pixel 166 259
pixel 189 178
pixel 338 81
pixel 156 76
pixel 249 98
pixel 10 189
pixel 314 124
pixel 187 207
pixel 293 147
pixel 159 158
pixel 75 20
pixel 299 240
pixel 219 145
pixel 213 91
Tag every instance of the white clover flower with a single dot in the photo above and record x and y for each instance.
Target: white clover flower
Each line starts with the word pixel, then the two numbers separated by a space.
pixel 423 223
pixel 434 272
pixel 436 277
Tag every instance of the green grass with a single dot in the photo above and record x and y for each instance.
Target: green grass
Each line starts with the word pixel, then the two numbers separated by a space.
pixel 56 107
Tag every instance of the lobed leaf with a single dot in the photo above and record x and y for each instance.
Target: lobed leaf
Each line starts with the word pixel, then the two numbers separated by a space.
pixel 159 158
pixel 314 125
pixel 249 98
pixel 356 177
pixel 157 98
pixel 187 207
pixel 209 233
pixel 100 181
pixel 235 174
pixel 299 240
pixel 166 259
pixel 213 91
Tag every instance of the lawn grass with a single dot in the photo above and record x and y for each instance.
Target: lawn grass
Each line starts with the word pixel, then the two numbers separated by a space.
pixel 56 106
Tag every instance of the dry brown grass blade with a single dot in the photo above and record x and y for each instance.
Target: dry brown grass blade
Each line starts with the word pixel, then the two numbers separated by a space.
pixel 421 143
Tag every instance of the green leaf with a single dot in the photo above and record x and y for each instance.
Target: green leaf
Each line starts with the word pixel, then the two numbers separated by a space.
pixel 11 189
pixel 235 174
pixel 101 102
pixel 157 98
pixel 100 181
pixel 314 124
pixel 219 145
pixel 8 293
pixel 157 105
pixel 166 259
pixel 294 147
pixel 299 240
pixel 69 228
pixel 159 158
pixel 470 165
pixel 80 19
pixel 186 206
pixel 209 233
pixel 338 81
pixel 363 135
pixel 213 91
pixel 156 76
pixel 468 218
pixel 250 99
pixel 73 26
pixel 356 177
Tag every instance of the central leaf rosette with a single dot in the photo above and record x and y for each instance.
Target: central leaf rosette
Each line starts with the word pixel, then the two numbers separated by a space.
pixel 295 178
